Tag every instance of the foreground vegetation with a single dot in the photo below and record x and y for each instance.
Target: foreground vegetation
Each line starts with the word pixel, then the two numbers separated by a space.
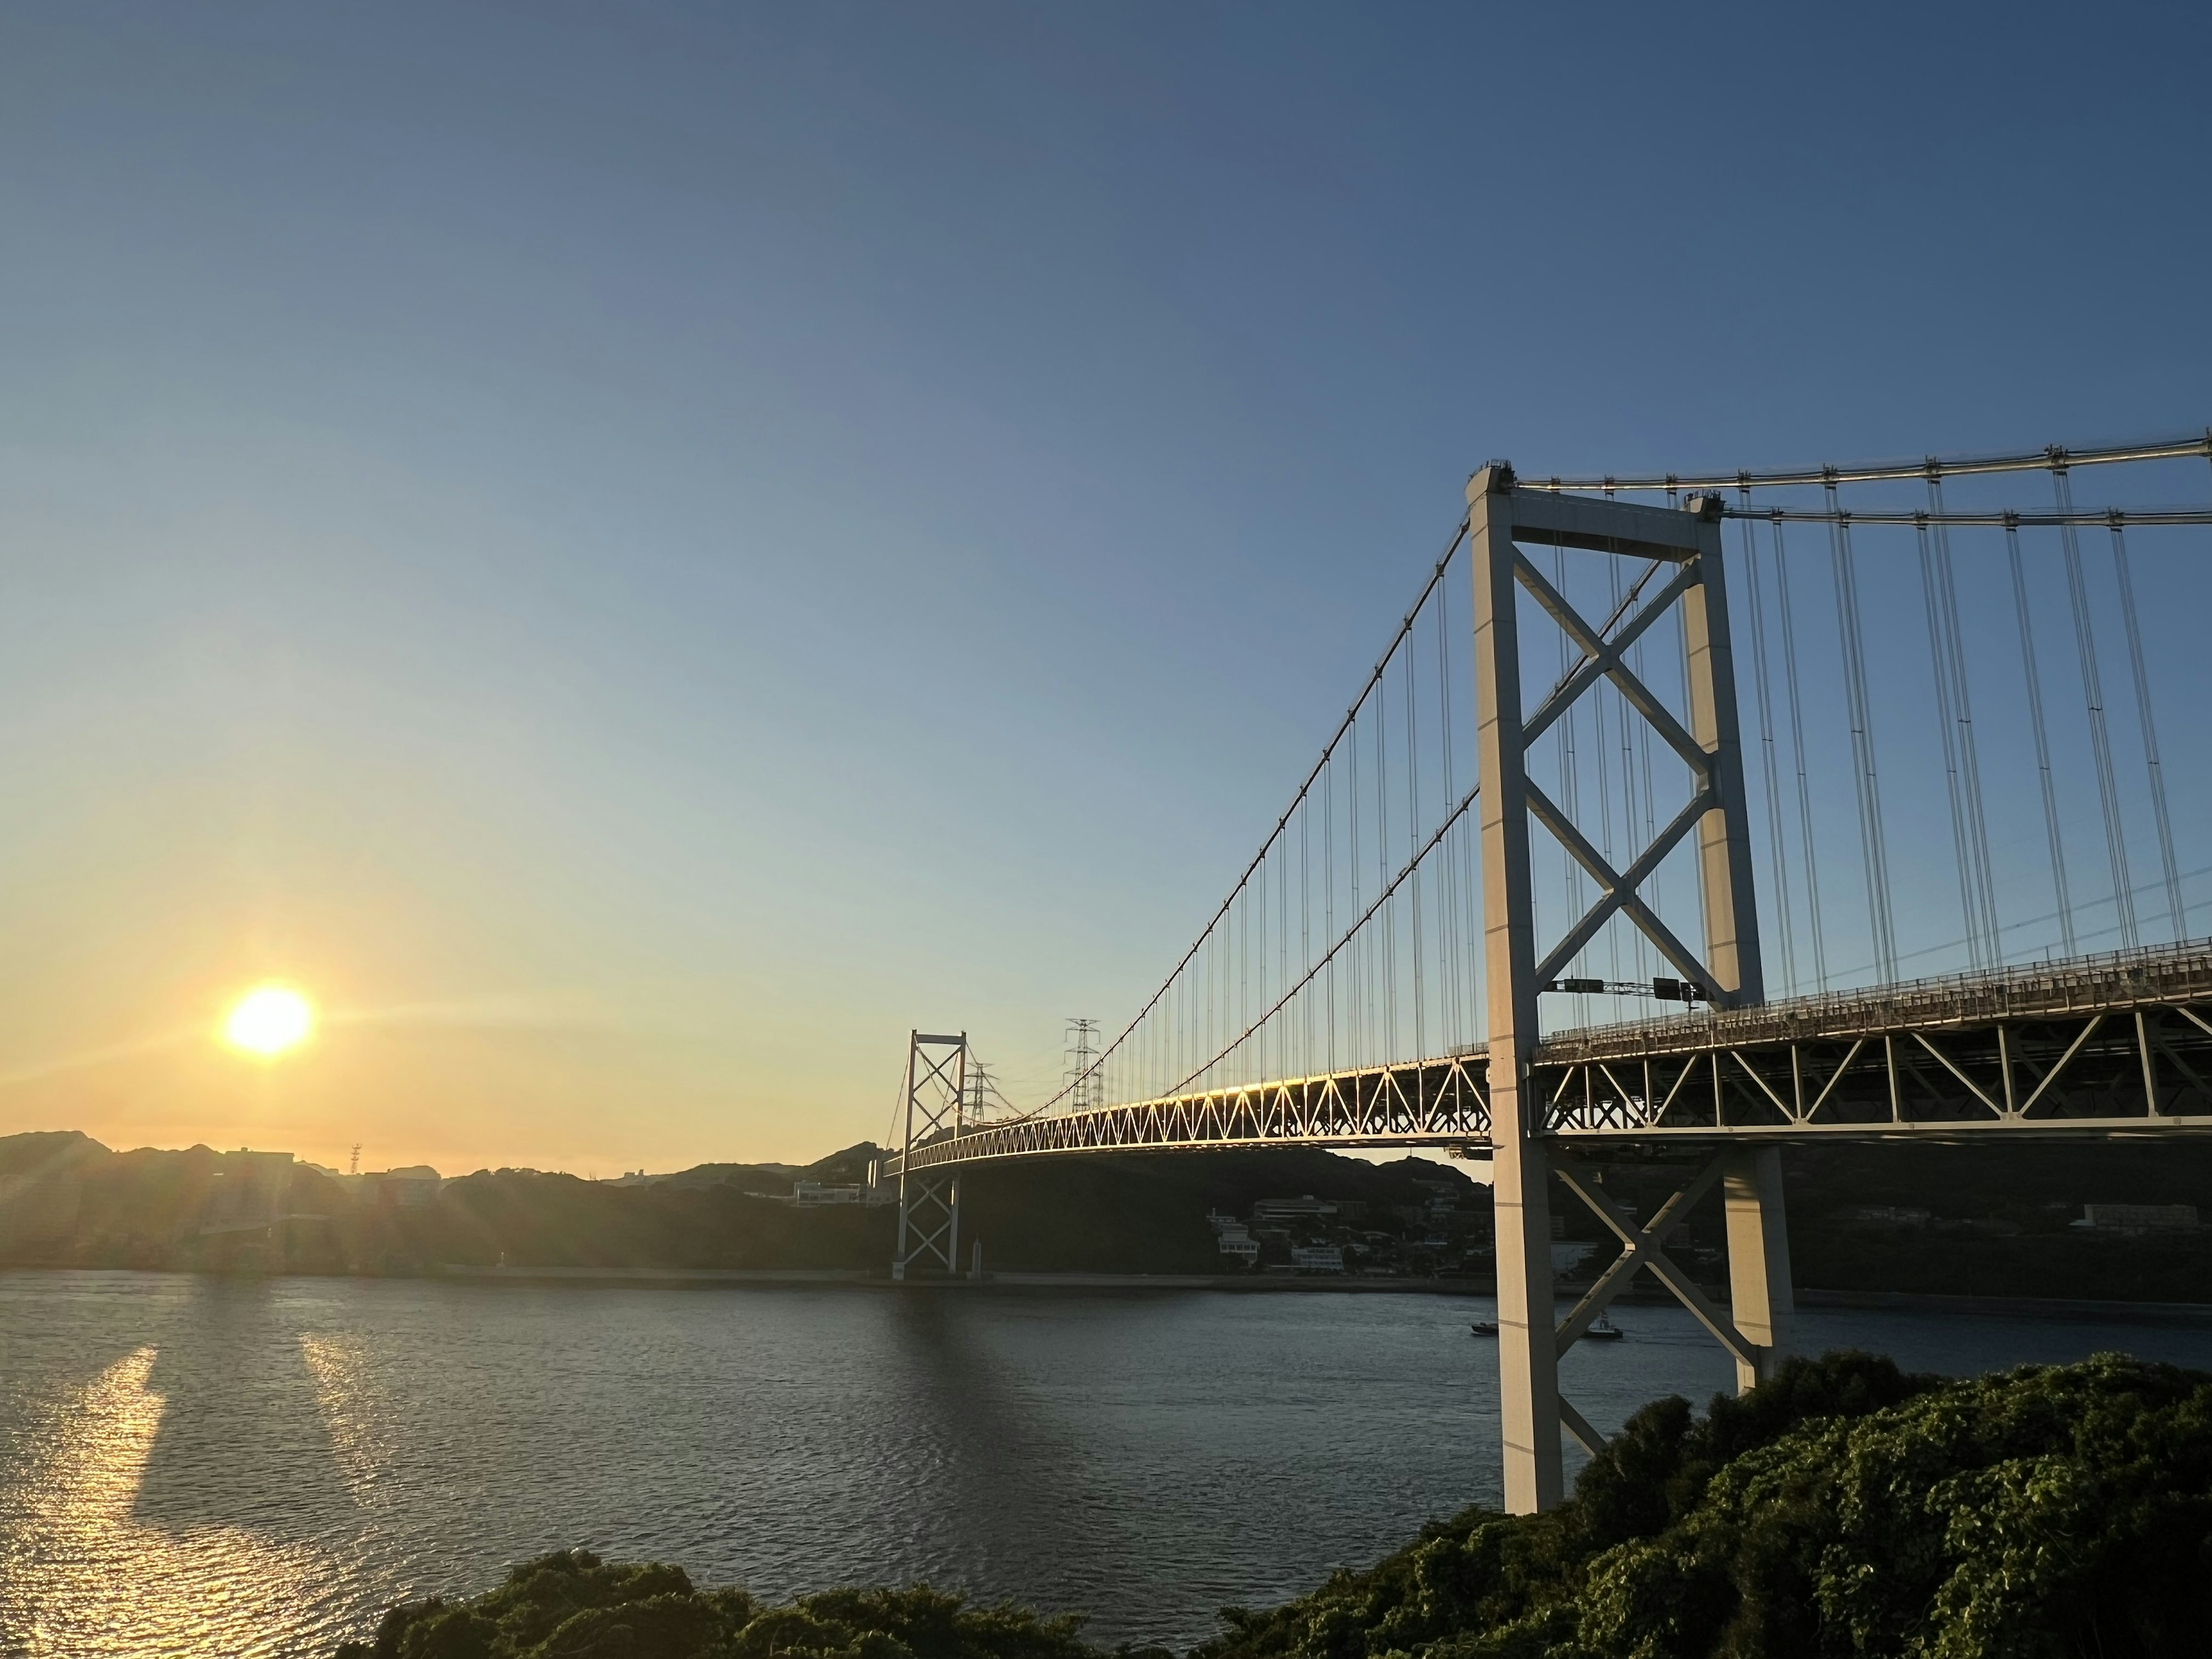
pixel 1845 1509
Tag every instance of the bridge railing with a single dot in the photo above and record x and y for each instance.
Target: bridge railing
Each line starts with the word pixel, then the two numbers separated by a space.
pixel 2106 979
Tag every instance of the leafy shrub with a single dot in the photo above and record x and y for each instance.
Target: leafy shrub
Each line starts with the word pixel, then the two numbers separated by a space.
pixel 571 1605
pixel 1844 1510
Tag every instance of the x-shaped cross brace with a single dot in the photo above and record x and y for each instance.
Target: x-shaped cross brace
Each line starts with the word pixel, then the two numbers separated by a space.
pixel 1641 1247
pixel 931 1237
pixel 935 1108
pixel 1619 890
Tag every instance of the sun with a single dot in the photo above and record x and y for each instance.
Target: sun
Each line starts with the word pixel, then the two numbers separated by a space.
pixel 268 1020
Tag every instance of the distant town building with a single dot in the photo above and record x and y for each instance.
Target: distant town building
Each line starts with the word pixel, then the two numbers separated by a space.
pixel 1235 1238
pixel 1316 1259
pixel 822 1195
pixel 818 1195
pixel 2139 1217
pixel 1291 1209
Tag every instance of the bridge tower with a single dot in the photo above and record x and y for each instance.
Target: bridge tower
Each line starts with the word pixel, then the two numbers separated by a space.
pixel 929 1200
pixel 1686 543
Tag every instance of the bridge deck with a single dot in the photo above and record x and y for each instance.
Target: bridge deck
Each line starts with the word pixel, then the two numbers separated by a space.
pixel 2091 1048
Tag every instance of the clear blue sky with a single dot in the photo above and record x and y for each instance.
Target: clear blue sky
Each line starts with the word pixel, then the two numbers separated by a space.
pixel 639 551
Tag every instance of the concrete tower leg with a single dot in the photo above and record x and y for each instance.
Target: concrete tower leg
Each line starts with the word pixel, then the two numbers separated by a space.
pixel 1758 1235
pixel 1763 1304
pixel 1528 1355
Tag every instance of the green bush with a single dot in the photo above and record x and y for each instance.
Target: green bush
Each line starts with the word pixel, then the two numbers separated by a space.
pixel 571 1605
pixel 1841 1509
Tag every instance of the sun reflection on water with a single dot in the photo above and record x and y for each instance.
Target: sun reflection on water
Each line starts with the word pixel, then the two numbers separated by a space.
pixel 360 1437
pixel 81 1578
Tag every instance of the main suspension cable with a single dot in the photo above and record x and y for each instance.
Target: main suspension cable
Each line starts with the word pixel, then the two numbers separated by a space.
pixel 1374 679
pixel 2136 516
pixel 1350 933
pixel 1892 472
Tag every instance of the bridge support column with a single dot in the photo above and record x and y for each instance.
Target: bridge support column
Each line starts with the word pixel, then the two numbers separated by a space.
pixel 1762 1303
pixel 1528 1357
pixel 1689 542
pixel 929 1200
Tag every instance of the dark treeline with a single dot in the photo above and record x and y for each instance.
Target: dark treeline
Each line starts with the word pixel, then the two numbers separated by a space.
pixel 1990 1220
pixel 72 1202
pixel 1844 1508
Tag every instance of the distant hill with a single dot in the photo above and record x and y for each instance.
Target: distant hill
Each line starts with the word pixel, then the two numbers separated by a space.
pixel 43 1150
pixel 1984 1220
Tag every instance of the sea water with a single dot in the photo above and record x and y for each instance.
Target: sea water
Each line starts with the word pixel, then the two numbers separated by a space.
pixel 227 1466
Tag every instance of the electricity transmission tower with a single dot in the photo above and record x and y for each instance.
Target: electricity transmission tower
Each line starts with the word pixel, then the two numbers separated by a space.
pixel 1085 1078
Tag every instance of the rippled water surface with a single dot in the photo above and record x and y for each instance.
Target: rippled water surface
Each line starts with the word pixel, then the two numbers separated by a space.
pixel 221 1467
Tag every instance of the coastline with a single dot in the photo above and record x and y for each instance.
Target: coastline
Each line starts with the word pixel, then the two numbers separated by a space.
pixel 2013 1306
pixel 1012 1280
pixel 2000 1307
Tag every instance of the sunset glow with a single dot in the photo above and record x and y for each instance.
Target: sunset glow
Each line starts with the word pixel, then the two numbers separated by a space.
pixel 269 1020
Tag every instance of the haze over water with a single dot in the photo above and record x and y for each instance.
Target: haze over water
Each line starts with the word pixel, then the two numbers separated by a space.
pixel 259 1467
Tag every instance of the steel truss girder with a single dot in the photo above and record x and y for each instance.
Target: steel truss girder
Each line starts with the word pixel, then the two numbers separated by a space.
pixel 2097 1072
pixel 2099 1047
pixel 1430 1102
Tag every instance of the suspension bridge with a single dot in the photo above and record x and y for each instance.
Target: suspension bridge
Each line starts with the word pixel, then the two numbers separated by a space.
pixel 1405 962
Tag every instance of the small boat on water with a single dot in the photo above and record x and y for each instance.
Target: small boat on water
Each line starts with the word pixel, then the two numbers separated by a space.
pixel 1601 1329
